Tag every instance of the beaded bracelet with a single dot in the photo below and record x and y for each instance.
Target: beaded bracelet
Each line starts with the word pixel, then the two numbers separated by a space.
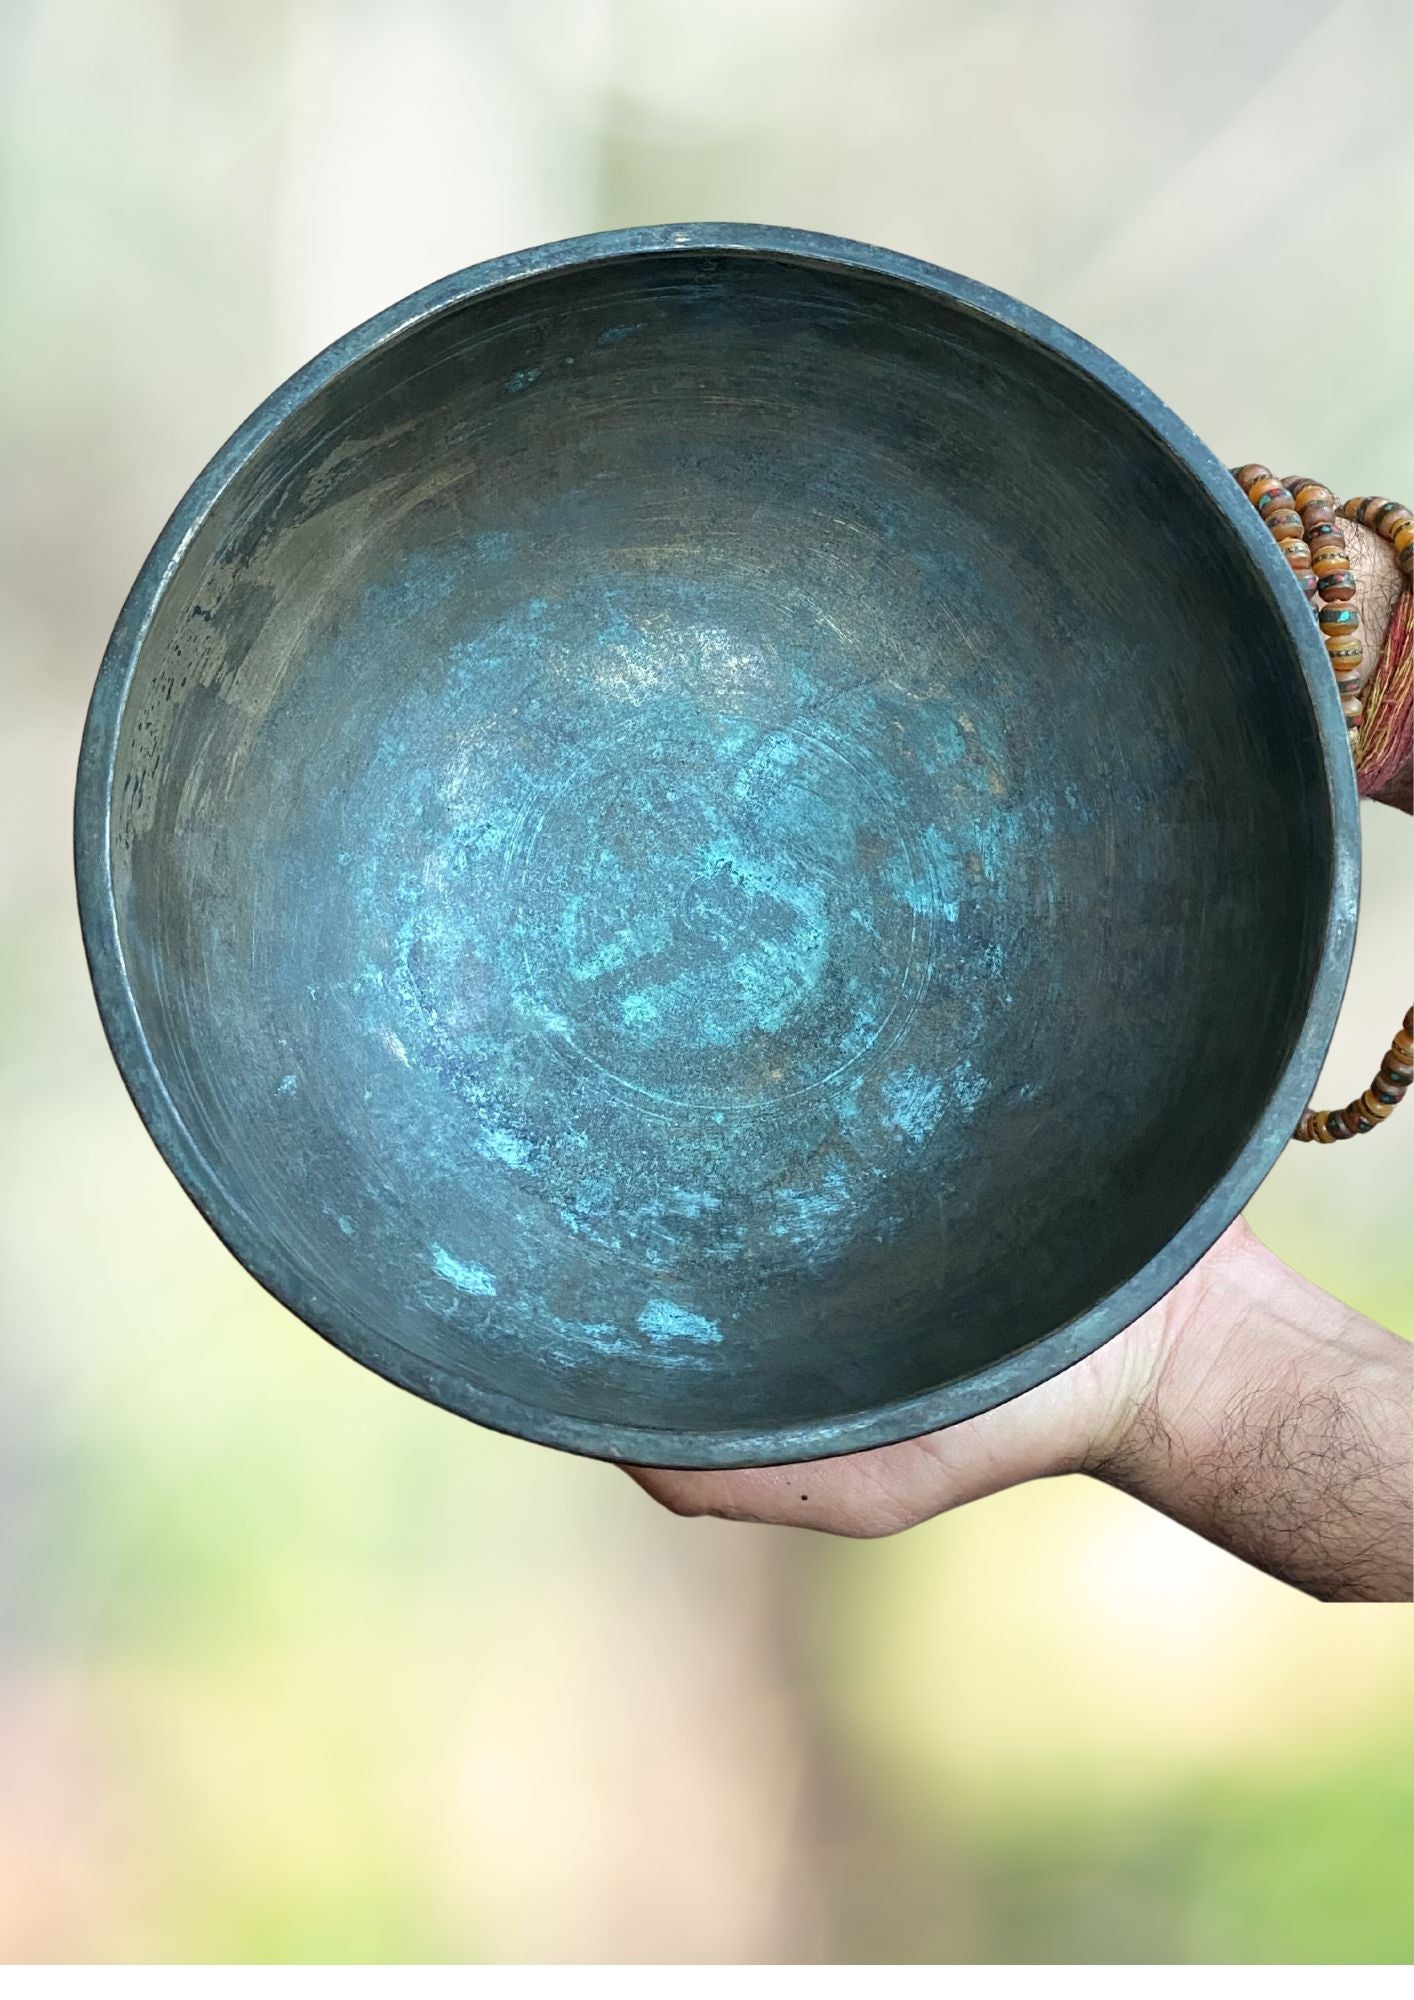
pixel 1390 518
pixel 1301 514
pixel 1305 519
pixel 1374 1105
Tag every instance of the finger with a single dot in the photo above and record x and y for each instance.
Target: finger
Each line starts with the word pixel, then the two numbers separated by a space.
pixel 756 1494
pixel 862 1495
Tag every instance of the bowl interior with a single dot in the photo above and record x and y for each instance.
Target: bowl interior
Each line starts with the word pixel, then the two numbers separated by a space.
pixel 709 842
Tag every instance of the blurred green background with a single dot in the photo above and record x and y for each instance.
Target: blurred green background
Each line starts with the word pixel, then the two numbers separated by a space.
pixel 292 1666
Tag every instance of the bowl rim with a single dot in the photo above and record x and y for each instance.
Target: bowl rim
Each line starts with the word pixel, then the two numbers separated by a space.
pixel 881 1424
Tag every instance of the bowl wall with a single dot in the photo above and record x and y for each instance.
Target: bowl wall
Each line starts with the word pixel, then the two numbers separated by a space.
pixel 716 852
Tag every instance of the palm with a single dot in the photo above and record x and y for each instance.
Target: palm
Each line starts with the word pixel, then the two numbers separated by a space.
pixel 1073 1421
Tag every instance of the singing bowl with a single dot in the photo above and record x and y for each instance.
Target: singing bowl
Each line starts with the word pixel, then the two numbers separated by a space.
pixel 714 846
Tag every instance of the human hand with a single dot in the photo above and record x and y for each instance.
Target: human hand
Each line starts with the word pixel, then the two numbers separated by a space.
pixel 1078 1421
pixel 1246 1404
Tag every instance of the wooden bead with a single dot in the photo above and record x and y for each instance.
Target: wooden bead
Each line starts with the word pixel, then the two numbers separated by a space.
pixel 1285 523
pixel 1346 652
pixel 1305 491
pixel 1325 534
pixel 1319 510
pixel 1338 618
pixel 1248 475
pixel 1337 586
pixel 1351 709
pixel 1329 560
pixel 1403 535
pixel 1374 1107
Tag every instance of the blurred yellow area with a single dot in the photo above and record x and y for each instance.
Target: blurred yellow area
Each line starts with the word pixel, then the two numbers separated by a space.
pixel 292 1666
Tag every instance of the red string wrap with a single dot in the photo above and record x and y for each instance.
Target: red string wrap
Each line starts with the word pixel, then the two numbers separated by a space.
pixel 1384 747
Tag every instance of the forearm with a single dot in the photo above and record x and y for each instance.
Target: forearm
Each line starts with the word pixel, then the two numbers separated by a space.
pixel 1277 1423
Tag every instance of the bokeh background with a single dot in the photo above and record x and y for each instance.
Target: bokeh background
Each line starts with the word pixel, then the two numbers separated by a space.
pixel 292 1666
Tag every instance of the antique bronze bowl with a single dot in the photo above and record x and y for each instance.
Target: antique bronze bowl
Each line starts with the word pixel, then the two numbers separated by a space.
pixel 712 845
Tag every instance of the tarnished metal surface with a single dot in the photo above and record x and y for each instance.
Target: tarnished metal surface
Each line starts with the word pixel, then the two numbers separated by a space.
pixel 712 846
